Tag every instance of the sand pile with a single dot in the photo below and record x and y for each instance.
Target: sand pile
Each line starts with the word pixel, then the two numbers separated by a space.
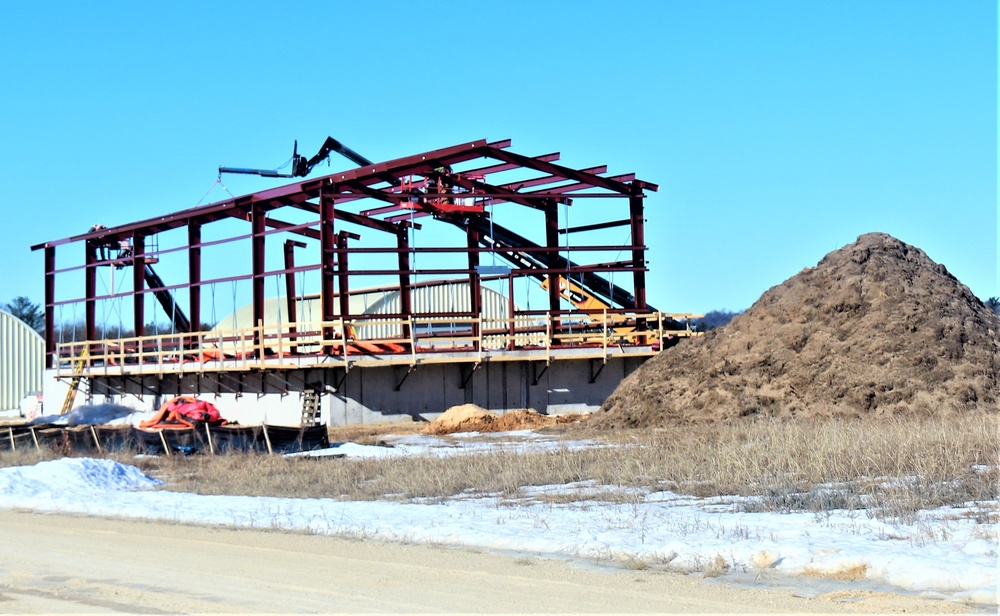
pixel 875 327
pixel 473 418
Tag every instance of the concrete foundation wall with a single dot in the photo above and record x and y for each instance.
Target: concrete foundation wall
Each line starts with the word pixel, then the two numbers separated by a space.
pixel 371 394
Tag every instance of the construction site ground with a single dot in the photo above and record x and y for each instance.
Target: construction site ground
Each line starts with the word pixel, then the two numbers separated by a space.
pixel 68 564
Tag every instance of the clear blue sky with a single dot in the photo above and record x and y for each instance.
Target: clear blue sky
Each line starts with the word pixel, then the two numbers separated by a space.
pixel 778 131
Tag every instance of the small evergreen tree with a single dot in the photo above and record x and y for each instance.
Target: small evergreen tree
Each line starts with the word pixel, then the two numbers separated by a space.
pixel 29 312
pixel 993 304
pixel 713 319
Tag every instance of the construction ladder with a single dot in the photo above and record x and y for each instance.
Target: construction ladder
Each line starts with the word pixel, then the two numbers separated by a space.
pixel 74 383
pixel 310 408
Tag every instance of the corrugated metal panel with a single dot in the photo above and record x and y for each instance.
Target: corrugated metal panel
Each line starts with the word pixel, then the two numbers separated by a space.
pixel 445 297
pixel 450 297
pixel 22 360
pixel 276 311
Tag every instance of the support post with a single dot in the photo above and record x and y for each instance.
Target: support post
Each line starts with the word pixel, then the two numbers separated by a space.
pixel 138 285
pixel 328 255
pixel 90 304
pixel 343 284
pixel 405 299
pixel 166 447
pixel 194 276
pixel 552 242
pixel 290 302
pixel 97 441
pixel 473 238
pixel 267 439
pixel 638 253
pixel 50 308
pixel 512 327
pixel 257 220
pixel 638 261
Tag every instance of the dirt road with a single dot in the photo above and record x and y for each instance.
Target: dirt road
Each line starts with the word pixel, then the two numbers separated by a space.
pixel 62 564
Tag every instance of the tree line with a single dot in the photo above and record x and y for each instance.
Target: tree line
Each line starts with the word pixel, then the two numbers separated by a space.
pixel 33 315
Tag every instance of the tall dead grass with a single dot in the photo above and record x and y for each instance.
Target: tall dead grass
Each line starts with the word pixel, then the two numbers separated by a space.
pixel 891 466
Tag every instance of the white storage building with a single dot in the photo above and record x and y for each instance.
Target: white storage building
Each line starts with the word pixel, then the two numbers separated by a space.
pixel 22 360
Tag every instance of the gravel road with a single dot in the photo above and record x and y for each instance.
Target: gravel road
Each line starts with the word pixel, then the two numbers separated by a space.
pixel 66 564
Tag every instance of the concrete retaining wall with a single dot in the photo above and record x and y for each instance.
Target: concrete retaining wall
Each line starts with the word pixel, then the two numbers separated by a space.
pixel 375 394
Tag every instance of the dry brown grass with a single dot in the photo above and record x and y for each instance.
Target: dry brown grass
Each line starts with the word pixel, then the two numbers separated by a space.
pixel 25 457
pixel 847 574
pixel 371 434
pixel 889 466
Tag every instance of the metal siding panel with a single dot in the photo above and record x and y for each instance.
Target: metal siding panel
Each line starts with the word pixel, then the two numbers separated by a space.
pixel 22 357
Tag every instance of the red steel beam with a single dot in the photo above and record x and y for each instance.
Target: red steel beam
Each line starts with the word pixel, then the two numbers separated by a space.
pixel 483 171
pixel 625 177
pixel 566 172
pixel 269 198
pixel 550 179
pixel 303 230
pixel 508 166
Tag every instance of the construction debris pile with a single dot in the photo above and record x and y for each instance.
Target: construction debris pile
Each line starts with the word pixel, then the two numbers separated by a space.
pixel 182 425
pixel 875 327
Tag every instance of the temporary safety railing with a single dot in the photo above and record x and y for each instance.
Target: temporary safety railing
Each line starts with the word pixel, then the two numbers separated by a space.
pixel 417 340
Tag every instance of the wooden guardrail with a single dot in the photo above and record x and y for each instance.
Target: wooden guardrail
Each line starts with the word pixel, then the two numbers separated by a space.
pixel 275 346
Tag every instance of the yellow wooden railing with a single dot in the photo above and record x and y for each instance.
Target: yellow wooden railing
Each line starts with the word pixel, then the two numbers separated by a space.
pixel 407 340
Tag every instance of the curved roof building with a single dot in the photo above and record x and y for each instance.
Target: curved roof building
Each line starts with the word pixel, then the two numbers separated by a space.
pixel 366 306
pixel 22 360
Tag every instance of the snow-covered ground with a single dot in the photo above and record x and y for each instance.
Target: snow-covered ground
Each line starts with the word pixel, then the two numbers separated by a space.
pixel 945 553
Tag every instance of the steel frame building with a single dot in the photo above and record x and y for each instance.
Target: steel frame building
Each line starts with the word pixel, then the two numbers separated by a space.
pixel 458 185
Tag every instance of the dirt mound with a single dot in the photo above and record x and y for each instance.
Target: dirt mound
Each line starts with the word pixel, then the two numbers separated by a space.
pixel 523 419
pixel 875 327
pixel 472 418
pixel 462 418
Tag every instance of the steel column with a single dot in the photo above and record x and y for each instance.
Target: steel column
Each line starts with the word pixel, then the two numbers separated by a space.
pixel 512 326
pixel 257 220
pixel 50 309
pixel 194 276
pixel 90 291
pixel 473 237
pixel 552 241
pixel 405 299
pixel 638 261
pixel 290 246
pixel 638 252
pixel 343 283
pixel 328 256
pixel 138 283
